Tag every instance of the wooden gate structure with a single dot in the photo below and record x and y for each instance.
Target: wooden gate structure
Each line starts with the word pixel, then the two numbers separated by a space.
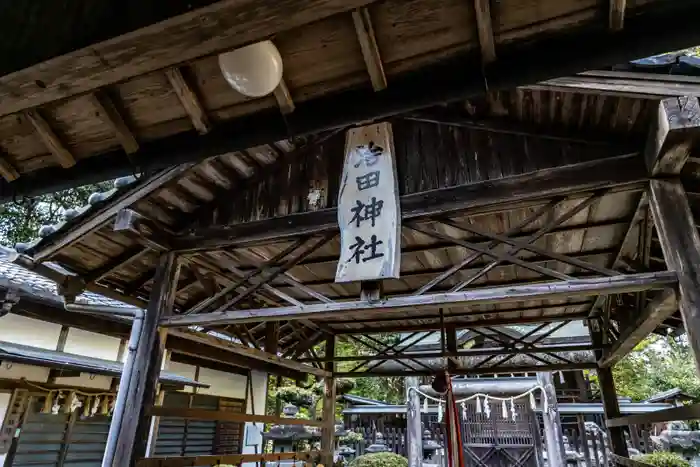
pixel 541 205
pixel 495 442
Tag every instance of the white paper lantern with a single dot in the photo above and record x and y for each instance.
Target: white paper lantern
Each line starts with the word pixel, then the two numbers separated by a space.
pixel 254 70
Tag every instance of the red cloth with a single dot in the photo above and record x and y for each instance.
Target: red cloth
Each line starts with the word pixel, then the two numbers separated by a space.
pixel 455 455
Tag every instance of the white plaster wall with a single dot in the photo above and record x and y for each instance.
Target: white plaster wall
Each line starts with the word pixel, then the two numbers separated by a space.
pixel 28 331
pixel 92 344
pixel 259 385
pixel 87 380
pixel 4 403
pixel 222 384
pixel 182 369
pixel 37 374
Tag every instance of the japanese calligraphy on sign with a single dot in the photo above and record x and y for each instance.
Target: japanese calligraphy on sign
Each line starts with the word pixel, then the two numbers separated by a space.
pixel 369 214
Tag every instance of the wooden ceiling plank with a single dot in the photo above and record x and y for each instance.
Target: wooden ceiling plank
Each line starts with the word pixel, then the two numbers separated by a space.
pixel 617 14
pixel 284 98
pixel 50 139
pixel 204 31
pixel 370 50
pixel 113 118
pixel 189 100
pixel 484 26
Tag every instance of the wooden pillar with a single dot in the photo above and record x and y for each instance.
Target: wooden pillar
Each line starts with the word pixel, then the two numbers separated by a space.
pixel 611 407
pixel 608 395
pixel 414 430
pixel 680 243
pixel 160 399
pixel 553 436
pixel 143 381
pixel 328 434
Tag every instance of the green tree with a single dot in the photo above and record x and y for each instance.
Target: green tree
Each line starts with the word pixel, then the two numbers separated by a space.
pixel 21 219
pixel 657 364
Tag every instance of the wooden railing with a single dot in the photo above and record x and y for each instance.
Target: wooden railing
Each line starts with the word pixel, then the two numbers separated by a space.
pixel 233 459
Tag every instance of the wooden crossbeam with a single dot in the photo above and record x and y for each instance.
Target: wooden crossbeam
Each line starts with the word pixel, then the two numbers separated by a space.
pixel 225 459
pixel 109 113
pixel 7 170
pixel 489 370
pixel 370 50
pixel 284 98
pixel 617 14
pixel 225 416
pixel 471 297
pixel 623 172
pixel 686 412
pixel 675 130
pixel 482 8
pixel 189 100
pixel 249 352
pixel 50 139
pixel 655 313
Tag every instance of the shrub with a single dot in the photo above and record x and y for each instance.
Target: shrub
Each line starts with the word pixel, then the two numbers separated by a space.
pixel 663 459
pixel 380 459
pixel 300 397
pixel 352 437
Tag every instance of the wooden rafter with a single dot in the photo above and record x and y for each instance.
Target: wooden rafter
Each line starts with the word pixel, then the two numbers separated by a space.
pixel 189 100
pixel 50 139
pixel 617 14
pixel 484 26
pixel 284 98
pixel 162 45
pixel 370 50
pixel 112 117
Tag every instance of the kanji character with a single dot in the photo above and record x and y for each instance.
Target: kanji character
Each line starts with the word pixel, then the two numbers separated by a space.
pixel 363 212
pixel 369 180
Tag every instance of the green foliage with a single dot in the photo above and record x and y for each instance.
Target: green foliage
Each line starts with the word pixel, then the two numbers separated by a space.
pixel 663 459
pixel 389 389
pixel 20 220
pixel 657 364
pixel 301 397
pixel 352 437
pixel 380 459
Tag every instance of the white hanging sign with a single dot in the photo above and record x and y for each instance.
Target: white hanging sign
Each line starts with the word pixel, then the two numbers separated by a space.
pixel 369 213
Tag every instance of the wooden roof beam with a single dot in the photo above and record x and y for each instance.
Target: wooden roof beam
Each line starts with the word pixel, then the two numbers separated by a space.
pixel 673 134
pixel 617 14
pixel 265 357
pixel 472 297
pixel 370 49
pixel 189 100
pixel 655 313
pixel 50 139
pixel 621 171
pixel 7 170
pixel 109 113
pixel 487 43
